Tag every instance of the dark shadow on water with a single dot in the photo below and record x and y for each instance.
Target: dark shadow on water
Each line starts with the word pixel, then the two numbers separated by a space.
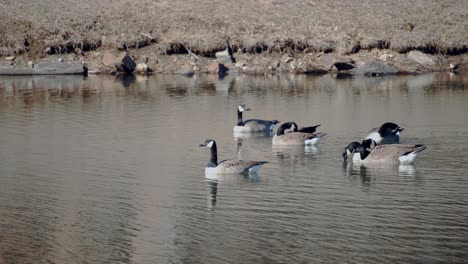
pixel 369 172
pixel 287 155
pixel 127 80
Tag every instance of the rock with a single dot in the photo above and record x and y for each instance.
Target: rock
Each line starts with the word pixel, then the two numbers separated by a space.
pixel 253 70
pixel 314 70
pixel 7 69
pixel 45 68
pixel 386 57
pixel 239 64
pixel 10 58
pixel 407 68
pixel 330 62
pixel 213 67
pixel 421 58
pixel 375 68
pixel 58 68
pixel 141 68
pixel 343 65
pixel 108 59
pixel 30 64
pixel 124 63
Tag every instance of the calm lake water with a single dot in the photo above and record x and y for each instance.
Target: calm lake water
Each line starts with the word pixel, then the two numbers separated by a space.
pixel 108 170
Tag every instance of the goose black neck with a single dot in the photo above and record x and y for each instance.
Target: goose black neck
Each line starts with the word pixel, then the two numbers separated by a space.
pixel 240 122
pixel 282 128
pixel 364 152
pixel 214 156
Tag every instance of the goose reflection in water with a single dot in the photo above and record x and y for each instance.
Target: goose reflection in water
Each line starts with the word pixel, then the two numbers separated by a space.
pixel 287 155
pixel 367 170
pixel 227 181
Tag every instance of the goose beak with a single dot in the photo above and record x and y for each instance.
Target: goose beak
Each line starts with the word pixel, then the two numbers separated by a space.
pixel 247 109
pixel 202 145
pixel 400 129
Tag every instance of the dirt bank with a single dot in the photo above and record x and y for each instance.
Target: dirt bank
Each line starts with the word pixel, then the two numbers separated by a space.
pixel 260 32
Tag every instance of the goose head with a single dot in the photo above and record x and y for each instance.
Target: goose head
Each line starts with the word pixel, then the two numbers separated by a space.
pixel 209 143
pixel 389 128
pixel 349 150
pixel 369 144
pixel 284 126
pixel 242 108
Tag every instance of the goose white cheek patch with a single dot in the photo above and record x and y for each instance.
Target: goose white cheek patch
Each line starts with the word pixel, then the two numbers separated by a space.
pixel 210 144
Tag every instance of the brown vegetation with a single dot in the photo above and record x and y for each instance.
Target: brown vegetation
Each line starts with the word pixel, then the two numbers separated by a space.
pixel 49 26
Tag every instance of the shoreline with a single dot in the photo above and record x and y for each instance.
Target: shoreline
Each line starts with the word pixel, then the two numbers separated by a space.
pixel 144 61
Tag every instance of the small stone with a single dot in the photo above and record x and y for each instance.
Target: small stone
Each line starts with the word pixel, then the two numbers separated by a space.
pixel 10 58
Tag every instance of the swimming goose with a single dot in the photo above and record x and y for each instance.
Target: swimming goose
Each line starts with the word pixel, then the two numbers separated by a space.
pixel 310 129
pixel 351 150
pixel 295 138
pixel 370 152
pixel 252 125
pixel 387 133
pixel 228 166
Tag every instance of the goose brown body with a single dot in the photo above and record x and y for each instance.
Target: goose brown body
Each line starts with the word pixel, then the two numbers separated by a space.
pixel 392 153
pixel 295 138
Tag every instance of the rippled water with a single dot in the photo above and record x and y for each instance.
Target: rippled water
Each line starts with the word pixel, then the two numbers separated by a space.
pixel 108 170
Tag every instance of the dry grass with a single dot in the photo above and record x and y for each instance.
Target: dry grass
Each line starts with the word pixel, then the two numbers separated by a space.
pixel 252 26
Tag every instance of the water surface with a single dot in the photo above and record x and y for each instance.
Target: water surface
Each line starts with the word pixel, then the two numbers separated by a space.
pixel 108 170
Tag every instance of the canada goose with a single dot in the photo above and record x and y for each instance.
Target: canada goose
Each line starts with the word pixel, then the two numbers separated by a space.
pixel 352 149
pixel 387 133
pixel 228 166
pixel 226 56
pixel 370 152
pixel 295 138
pixel 252 125
pixel 310 129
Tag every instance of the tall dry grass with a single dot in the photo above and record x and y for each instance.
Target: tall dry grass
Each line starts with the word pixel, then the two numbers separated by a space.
pixel 252 26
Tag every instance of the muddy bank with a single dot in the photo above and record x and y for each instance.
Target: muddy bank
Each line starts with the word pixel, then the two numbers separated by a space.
pixel 376 62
